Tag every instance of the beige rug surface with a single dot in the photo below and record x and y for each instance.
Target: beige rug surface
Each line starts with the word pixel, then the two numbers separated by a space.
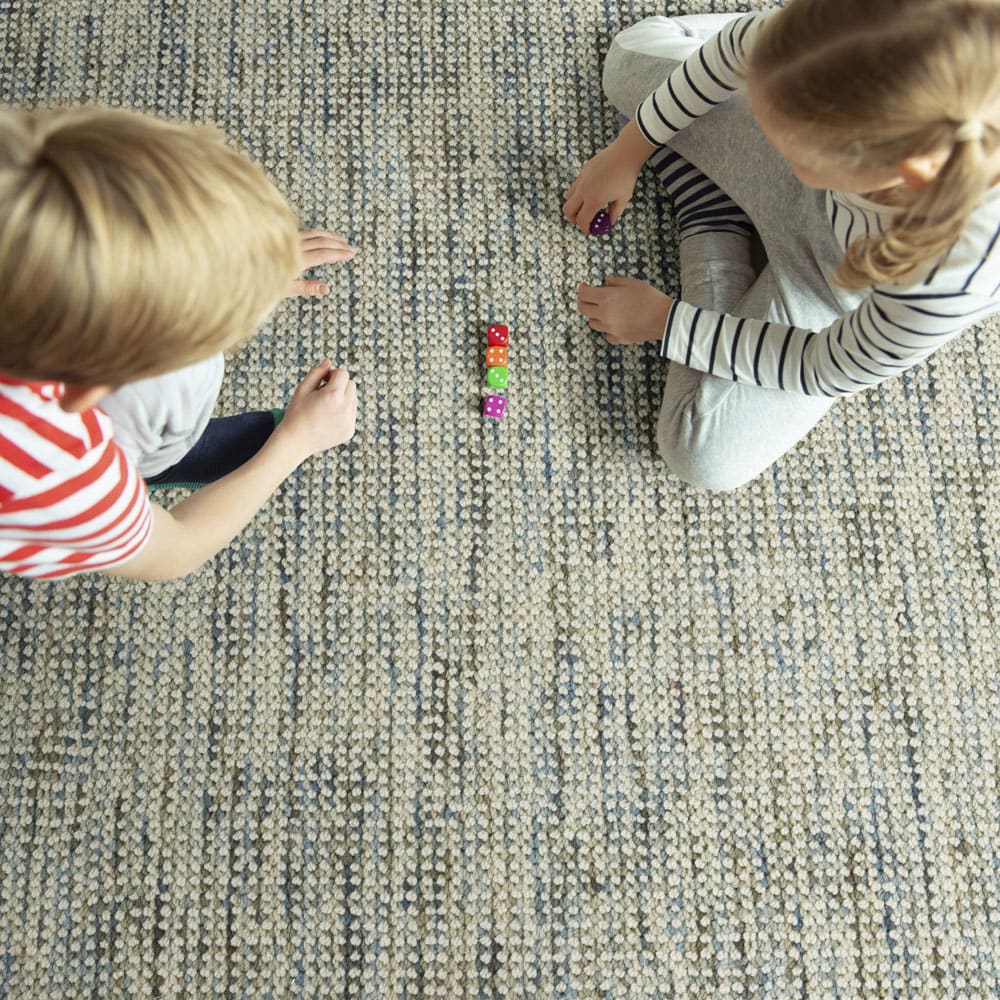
pixel 477 709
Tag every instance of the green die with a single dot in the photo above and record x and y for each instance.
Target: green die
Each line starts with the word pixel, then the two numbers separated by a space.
pixel 496 377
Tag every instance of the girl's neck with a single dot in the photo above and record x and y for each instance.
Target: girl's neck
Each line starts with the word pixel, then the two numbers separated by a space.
pixel 898 196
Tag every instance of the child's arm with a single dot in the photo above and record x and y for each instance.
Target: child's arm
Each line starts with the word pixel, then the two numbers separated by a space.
pixel 706 78
pixel 891 330
pixel 608 178
pixel 710 76
pixel 319 416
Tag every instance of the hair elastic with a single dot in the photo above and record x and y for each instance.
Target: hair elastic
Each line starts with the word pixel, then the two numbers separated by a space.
pixel 971 131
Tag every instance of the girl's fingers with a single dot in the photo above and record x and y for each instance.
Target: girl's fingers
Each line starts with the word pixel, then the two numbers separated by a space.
pixel 590 211
pixel 583 217
pixel 571 209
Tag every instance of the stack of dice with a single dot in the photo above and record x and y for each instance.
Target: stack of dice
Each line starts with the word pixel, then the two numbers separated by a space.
pixel 498 340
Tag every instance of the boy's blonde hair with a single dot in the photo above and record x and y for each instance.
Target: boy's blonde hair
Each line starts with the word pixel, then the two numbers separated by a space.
pixel 874 82
pixel 130 246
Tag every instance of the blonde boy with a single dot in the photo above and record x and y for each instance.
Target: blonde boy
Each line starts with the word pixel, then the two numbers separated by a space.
pixel 131 247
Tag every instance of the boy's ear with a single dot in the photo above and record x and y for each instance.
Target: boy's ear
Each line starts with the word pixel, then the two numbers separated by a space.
pixel 77 398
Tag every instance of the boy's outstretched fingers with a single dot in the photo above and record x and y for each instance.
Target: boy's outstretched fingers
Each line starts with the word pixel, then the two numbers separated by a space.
pixel 325 248
pixel 319 247
pixel 325 234
pixel 307 287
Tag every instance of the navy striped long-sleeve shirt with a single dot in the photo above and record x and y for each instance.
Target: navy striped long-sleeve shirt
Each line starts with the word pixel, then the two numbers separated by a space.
pixel 896 325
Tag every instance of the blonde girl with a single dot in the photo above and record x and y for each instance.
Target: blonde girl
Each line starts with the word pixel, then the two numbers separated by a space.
pixel 857 140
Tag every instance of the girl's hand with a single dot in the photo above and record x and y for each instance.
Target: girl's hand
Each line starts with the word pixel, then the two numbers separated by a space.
pixel 323 410
pixel 605 179
pixel 626 311
pixel 608 178
pixel 319 247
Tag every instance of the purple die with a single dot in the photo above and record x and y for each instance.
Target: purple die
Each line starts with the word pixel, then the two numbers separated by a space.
pixel 495 407
pixel 600 224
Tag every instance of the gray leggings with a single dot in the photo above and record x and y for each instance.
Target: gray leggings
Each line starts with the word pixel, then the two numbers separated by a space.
pixel 714 433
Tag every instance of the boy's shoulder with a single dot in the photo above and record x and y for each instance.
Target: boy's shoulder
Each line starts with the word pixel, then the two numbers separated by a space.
pixel 34 426
pixel 69 499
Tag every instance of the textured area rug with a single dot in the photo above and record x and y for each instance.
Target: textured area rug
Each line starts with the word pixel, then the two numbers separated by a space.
pixel 479 709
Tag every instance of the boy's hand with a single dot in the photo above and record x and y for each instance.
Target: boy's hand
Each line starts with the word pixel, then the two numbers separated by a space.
pixel 319 247
pixel 607 179
pixel 322 411
pixel 321 414
pixel 627 311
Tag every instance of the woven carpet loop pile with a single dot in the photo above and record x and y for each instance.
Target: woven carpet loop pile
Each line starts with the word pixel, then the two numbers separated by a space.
pixel 479 709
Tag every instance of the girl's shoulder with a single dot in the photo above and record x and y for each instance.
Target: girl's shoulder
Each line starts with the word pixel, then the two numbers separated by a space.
pixel 970 266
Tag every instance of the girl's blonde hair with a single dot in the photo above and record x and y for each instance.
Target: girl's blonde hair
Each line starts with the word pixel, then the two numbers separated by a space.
pixel 874 82
pixel 130 246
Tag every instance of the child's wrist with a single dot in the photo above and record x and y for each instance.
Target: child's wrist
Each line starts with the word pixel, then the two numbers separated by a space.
pixel 632 147
pixel 289 448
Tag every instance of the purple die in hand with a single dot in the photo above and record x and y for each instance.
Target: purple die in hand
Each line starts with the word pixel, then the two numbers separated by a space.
pixel 495 407
pixel 600 224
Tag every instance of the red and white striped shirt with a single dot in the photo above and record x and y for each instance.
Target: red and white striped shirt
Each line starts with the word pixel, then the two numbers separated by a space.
pixel 69 499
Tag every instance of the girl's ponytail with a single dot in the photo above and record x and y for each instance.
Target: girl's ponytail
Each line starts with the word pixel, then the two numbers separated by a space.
pixel 927 226
pixel 872 83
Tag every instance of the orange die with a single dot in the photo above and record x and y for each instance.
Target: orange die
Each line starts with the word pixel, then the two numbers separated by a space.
pixel 496 356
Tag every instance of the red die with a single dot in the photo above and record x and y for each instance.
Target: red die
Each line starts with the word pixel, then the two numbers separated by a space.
pixel 498 335
pixel 496 356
